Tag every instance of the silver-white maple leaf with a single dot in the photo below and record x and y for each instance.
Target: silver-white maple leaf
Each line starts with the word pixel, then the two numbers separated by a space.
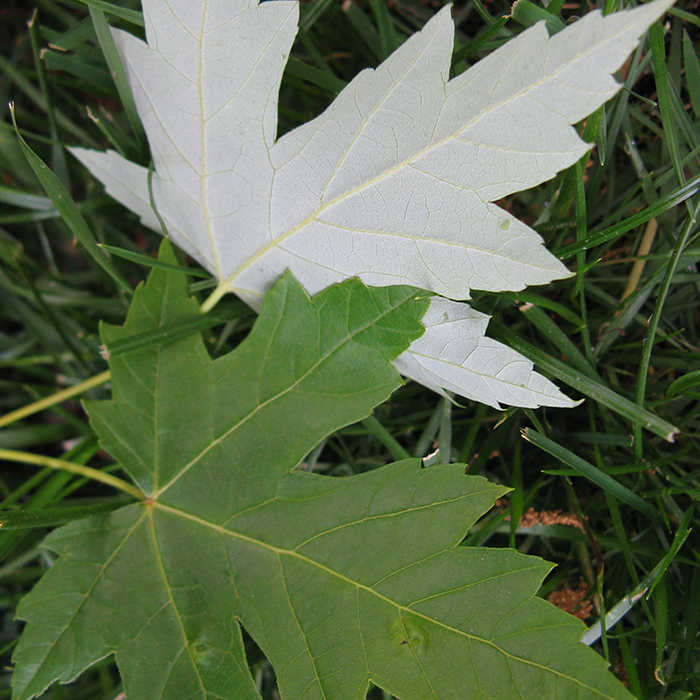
pixel 394 183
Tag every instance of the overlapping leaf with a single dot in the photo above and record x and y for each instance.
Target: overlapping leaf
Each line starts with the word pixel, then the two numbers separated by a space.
pixel 339 580
pixel 394 183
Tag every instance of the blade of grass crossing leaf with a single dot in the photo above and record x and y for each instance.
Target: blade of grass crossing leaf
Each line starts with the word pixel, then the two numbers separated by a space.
pixel 662 293
pixel 587 386
pixel 58 157
pixel 593 474
pixel 109 49
pixel 142 259
pixel 152 199
pixel 51 517
pixel 69 212
pixel 176 331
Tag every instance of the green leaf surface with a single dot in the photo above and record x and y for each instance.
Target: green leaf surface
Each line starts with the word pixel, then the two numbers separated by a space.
pixel 340 581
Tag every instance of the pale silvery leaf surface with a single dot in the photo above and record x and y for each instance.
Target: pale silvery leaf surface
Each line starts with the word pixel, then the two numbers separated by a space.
pixel 455 355
pixel 394 183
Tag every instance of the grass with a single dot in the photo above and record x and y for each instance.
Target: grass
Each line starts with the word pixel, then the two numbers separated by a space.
pixel 622 333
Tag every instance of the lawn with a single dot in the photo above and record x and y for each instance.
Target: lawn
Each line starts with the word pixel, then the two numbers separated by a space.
pixel 606 490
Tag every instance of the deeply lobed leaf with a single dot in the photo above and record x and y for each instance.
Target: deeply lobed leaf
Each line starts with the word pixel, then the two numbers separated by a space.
pixel 341 581
pixel 394 183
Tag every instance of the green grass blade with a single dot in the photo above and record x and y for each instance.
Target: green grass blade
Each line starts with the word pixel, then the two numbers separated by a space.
pixel 592 473
pixel 559 339
pixel 109 49
pixel 663 205
pixel 312 12
pixel 633 597
pixel 656 36
pixel 692 73
pixel 58 157
pixel 36 97
pixel 661 295
pixel 51 517
pixel 527 14
pixel 587 386
pixel 315 76
pixel 69 212
pixel 386 438
pixel 687 381
pixel 176 331
pixel 74 37
pixel 26 200
pixel 479 40
pixel 152 262
pixel 132 16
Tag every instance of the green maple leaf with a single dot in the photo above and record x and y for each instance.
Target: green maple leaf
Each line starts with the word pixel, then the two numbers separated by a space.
pixel 341 581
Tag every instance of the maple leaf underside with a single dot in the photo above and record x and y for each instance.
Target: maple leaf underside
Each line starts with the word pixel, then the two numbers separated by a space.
pixel 394 183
